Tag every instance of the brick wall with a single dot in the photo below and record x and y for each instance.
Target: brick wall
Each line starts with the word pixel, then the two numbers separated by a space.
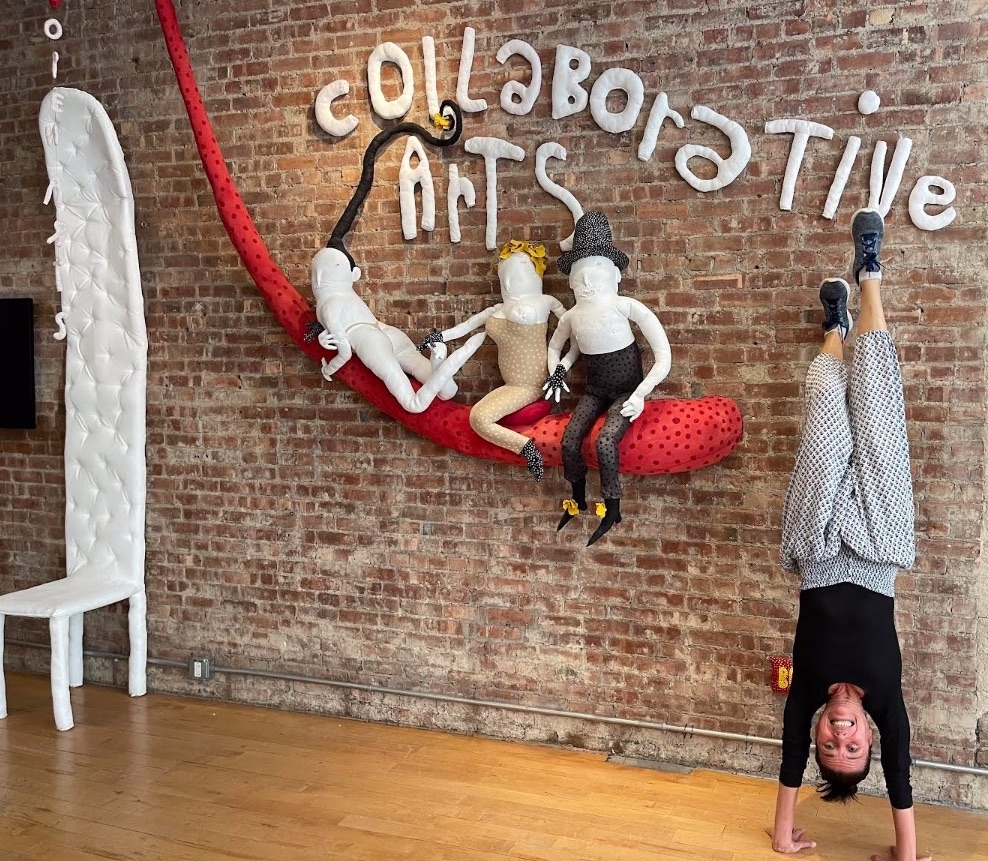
pixel 293 528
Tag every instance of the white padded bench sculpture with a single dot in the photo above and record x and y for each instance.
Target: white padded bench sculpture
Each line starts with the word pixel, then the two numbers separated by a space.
pixel 105 396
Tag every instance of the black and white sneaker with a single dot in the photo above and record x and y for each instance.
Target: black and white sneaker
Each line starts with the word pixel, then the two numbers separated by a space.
pixel 833 297
pixel 867 231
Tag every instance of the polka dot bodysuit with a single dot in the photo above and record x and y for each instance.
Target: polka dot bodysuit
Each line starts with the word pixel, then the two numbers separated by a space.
pixel 522 361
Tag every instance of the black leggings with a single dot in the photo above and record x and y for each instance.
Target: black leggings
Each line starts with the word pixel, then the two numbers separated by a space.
pixel 611 378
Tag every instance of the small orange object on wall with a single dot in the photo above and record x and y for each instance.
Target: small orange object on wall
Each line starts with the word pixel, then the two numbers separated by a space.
pixel 781 674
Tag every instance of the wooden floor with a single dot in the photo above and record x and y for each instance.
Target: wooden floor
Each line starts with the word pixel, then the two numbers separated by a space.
pixel 176 779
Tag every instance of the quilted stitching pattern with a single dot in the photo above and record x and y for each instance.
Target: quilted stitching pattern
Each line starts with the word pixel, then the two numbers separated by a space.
pixel 97 272
pixel 106 357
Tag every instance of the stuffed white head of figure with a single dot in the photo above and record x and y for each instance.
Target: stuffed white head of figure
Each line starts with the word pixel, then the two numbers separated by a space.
pixel 333 273
pixel 594 277
pixel 520 269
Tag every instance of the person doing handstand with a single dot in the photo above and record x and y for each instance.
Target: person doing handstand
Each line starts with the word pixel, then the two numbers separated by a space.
pixel 847 528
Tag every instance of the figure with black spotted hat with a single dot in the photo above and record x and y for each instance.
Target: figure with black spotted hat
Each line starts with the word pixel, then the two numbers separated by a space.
pixel 600 324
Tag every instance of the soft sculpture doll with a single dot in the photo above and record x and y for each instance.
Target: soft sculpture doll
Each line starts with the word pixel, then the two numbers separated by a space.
pixel 348 326
pixel 518 325
pixel 600 323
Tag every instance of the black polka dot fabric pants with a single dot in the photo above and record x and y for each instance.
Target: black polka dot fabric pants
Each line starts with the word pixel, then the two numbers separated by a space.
pixel 848 514
pixel 611 378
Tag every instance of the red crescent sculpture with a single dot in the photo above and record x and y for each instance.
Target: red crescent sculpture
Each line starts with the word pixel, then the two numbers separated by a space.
pixel 671 435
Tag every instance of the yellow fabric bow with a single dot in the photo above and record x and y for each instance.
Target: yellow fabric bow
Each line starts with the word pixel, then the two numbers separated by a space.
pixel 441 122
pixel 522 246
pixel 570 507
pixel 601 509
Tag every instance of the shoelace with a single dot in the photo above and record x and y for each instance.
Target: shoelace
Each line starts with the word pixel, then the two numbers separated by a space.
pixel 869 251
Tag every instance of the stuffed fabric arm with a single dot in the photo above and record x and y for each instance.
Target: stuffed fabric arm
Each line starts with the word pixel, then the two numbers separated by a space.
pixel 555 385
pixel 466 327
pixel 334 339
pixel 570 358
pixel 563 333
pixel 651 328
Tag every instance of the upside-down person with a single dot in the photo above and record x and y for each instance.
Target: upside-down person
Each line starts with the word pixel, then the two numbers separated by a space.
pixel 600 324
pixel 847 529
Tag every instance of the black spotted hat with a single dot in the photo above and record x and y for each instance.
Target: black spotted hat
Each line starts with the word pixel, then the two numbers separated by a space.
pixel 592 238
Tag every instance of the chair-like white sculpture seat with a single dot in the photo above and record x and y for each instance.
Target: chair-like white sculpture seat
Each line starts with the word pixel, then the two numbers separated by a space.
pixel 79 594
pixel 97 272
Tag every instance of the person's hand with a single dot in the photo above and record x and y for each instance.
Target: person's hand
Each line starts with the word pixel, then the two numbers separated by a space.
pixel 891 856
pixel 790 844
pixel 326 372
pixel 327 340
pixel 633 407
pixel 555 383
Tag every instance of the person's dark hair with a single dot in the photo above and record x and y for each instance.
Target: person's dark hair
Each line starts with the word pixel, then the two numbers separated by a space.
pixel 840 785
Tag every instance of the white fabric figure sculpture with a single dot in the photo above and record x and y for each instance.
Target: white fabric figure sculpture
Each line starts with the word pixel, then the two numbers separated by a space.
pixel 348 326
pixel 98 273
pixel 600 323
pixel 351 329
pixel 519 326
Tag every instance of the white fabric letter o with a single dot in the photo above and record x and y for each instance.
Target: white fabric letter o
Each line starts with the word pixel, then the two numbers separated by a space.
pixel 389 52
pixel 617 79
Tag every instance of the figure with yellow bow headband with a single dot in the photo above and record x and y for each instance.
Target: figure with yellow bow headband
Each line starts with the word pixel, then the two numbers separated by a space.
pixel 519 327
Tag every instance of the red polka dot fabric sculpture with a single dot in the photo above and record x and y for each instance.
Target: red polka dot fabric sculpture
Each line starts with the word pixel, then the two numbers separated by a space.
pixel 670 435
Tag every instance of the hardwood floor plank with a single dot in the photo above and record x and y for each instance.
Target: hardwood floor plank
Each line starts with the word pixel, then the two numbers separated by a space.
pixel 169 779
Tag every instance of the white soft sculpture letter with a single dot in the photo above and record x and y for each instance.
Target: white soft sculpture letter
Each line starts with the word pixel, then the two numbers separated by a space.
pixel 841 176
pixel 660 110
pixel 801 131
pixel 568 97
pixel 458 187
pixel 324 110
pixel 634 89
pixel 882 194
pixel 463 77
pixel 923 194
pixel 492 149
pixel 389 52
pixel 408 176
pixel 728 169
pixel 513 90
pixel 551 149
pixel 429 59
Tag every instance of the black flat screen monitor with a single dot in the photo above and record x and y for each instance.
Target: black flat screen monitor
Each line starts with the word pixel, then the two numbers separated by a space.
pixel 17 404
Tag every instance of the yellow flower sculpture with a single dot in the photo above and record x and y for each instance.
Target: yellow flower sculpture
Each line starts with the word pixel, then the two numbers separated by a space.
pixel 441 122
pixel 522 246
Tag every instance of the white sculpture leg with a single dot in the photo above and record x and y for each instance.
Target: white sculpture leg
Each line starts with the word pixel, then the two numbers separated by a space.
pixel 61 702
pixel 3 683
pixel 138 662
pixel 414 363
pixel 443 374
pixel 75 650
pixel 380 359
